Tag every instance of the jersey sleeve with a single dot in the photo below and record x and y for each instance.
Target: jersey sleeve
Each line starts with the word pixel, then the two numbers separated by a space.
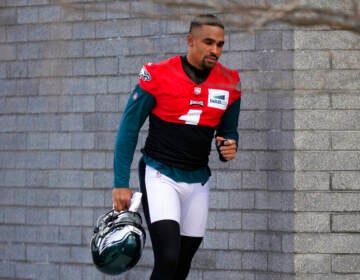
pixel 236 85
pixel 229 122
pixel 148 77
pixel 136 111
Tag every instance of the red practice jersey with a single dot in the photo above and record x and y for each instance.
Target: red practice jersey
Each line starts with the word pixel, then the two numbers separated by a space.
pixel 180 100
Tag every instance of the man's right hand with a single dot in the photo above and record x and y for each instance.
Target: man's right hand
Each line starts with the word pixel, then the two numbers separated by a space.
pixel 121 198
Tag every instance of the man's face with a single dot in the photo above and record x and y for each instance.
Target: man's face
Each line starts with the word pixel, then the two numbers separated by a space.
pixel 205 46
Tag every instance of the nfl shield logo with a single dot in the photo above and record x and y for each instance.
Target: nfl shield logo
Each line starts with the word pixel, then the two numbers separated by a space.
pixel 197 90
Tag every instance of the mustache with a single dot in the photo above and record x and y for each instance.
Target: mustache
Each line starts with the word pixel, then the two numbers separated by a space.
pixel 212 56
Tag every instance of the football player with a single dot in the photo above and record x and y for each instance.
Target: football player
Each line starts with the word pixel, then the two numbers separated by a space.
pixel 189 100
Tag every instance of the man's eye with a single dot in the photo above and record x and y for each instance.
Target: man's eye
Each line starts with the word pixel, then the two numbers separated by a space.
pixel 221 44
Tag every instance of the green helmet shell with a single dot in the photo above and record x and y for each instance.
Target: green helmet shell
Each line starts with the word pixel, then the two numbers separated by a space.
pixel 118 242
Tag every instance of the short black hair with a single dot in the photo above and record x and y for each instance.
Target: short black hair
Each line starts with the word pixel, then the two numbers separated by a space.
pixel 205 19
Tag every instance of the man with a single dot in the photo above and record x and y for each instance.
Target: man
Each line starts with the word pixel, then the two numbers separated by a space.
pixel 188 100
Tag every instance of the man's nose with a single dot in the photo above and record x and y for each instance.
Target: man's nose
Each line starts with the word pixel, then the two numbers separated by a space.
pixel 215 50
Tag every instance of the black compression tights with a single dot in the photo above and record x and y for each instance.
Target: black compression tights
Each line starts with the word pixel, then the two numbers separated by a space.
pixel 172 252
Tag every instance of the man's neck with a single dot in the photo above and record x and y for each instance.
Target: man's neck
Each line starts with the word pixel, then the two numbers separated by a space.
pixel 197 75
pixel 192 63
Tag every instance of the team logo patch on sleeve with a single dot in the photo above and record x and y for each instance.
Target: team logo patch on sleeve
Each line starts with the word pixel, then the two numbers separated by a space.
pixel 144 74
pixel 218 98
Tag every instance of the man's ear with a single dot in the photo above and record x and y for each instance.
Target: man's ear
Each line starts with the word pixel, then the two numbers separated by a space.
pixel 190 40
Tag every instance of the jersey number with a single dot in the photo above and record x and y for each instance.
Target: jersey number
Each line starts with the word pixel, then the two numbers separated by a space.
pixel 191 117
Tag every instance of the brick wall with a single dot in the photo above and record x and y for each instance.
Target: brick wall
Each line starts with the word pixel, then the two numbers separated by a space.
pixel 286 208
pixel 327 162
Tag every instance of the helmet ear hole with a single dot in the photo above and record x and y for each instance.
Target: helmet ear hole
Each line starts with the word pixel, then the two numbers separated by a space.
pixel 117 244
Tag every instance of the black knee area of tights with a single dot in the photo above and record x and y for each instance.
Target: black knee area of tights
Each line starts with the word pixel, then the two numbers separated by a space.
pixel 173 253
pixel 189 246
pixel 166 243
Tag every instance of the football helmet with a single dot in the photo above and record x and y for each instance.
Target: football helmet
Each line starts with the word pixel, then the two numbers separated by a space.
pixel 118 241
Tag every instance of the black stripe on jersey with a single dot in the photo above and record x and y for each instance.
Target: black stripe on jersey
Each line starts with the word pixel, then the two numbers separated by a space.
pixel 179 145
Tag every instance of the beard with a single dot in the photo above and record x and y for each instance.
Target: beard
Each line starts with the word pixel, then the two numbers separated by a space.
pixel 209 61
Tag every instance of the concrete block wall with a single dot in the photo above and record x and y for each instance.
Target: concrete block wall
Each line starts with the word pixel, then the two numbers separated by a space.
pixel 327 163
pixel 286 208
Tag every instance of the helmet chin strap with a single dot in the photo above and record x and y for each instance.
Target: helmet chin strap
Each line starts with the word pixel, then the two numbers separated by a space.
pixel 135 202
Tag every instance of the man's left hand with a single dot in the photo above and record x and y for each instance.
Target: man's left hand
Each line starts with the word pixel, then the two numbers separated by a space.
pixel 228 150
